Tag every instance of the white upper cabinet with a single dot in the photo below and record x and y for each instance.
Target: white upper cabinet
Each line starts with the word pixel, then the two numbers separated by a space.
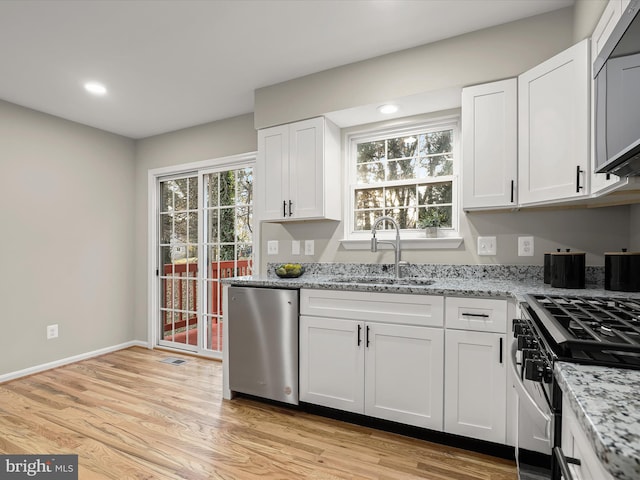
pixel 489 144
pixel 298 171
pixel 554 126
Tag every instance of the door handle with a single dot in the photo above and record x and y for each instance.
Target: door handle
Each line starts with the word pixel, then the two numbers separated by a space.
pixel 367 335
pixel 359 330
pixel 284 208
pixel 290 208
pixel 500 349
pixel 512 190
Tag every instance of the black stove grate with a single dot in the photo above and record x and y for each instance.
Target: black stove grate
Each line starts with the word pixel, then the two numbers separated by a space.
pixel 603 331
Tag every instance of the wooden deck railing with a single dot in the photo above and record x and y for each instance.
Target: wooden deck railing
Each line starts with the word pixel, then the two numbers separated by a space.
pixel 183 300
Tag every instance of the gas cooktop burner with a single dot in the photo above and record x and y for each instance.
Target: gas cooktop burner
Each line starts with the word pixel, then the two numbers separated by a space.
pixel 598 330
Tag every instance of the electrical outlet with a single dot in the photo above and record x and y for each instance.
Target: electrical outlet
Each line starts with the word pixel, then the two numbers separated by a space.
pixel 295 247
pixel 272 247
pixel 52 331
pixel 309 247
pixel 487 246
pixel 525 246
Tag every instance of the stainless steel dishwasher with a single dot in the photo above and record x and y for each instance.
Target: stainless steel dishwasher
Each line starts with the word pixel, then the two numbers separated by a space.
pixel 263 342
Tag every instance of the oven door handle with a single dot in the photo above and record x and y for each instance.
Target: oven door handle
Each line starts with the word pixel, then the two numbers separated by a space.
pixel 522 392
pixel 563 463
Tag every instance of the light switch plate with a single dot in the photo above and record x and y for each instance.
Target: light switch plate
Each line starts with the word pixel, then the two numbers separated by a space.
pixel 487 246
pixel 272 247
pixel 309 247
pixel 295 247
pixel 525 246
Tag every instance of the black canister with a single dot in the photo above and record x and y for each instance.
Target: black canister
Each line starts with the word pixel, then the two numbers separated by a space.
pixel 547 267
pixel 568 269
pixel 622 271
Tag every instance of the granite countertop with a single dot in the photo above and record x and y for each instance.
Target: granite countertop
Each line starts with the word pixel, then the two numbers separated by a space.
pixel 607 405
pixel 482 284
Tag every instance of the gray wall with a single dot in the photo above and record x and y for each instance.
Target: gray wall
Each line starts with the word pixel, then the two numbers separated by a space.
pixel 66 238
pixel 204 142
pixel 585 17
pixel 490 54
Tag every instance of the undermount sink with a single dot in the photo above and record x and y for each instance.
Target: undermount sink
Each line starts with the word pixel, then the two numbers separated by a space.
pixel 383 280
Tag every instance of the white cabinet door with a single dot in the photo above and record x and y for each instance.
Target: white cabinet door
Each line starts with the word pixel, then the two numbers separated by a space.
pixel 404 374
pixel 332 363
pixel 475 385
pixel 576 445
pixel 273 170
pixel 489 144
pixel 306 168
pixel 554 125
pixel 298 172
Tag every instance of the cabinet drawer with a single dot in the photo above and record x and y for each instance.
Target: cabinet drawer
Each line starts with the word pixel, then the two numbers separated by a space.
pixel 478 314
pixel 425 310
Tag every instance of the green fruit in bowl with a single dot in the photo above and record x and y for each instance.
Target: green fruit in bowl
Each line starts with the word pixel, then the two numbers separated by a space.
pixel 289 270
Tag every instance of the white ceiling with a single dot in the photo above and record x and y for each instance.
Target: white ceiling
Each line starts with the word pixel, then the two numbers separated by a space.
pixel 172 64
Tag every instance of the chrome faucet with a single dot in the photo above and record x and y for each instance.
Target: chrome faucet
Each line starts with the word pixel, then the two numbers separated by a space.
pixel 396 245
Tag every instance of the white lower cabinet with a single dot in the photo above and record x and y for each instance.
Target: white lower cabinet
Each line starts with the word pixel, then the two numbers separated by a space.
pixel 475 386
pixel 403 374
pixel 387 356
pixel 332 363
pixel 576 446
pixel 384 369
pixel 475 375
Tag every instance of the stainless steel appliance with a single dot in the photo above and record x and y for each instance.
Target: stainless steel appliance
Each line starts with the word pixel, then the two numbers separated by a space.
pixel 263 342
pixel 598 331
pixel 617 97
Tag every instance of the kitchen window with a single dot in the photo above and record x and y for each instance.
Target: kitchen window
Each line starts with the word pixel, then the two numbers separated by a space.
pixel 409 174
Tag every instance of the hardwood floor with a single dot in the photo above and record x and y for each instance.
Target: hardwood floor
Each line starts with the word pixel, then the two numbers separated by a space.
pixel 129 416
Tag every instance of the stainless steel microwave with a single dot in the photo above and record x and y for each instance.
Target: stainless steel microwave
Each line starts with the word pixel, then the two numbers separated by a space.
pixel 617 98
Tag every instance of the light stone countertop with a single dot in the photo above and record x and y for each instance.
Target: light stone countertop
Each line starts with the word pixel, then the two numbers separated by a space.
pixel 606 401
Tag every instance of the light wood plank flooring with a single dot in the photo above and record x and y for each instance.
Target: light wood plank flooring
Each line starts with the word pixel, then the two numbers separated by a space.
pixel 129 416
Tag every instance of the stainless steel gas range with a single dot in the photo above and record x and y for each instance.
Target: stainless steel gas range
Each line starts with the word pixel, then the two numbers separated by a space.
pixel 590 330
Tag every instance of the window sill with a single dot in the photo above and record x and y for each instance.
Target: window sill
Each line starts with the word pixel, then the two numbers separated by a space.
pixel 439 243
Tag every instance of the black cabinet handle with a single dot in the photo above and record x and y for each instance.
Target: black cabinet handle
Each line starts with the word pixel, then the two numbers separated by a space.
pixel 284 208
pixel 500 349
pixel 578 186
pixel 290 208
pixel 480 315
pixel 512 190
pixel 367 336
pixel 359 330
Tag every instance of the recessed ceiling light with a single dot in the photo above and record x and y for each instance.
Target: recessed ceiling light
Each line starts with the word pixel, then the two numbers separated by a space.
pixel 388 108
pixel 95 88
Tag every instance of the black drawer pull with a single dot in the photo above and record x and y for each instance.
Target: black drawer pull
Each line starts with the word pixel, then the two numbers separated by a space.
pixel 359 330
pixel 367 336
pixel 512 190
pixel 284 208
pixel 500 349
pixel 290 208
pixel 479 315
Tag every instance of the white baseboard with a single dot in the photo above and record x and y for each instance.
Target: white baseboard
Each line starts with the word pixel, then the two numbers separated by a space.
pixel 65 361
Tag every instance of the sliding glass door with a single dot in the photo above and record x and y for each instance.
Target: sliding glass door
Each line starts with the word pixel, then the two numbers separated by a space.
pixel 205 233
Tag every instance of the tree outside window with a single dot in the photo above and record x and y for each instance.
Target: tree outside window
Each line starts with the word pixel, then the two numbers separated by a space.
pixel 407 177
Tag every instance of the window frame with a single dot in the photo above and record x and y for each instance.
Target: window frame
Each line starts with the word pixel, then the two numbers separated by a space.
pixel 416 237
